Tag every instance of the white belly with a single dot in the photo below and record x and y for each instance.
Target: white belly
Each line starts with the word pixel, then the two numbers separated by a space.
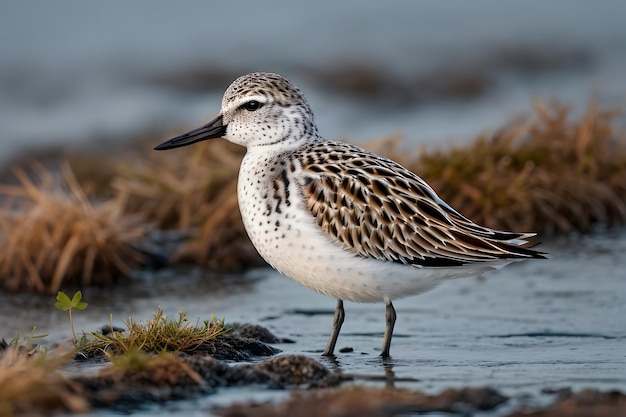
pixel 292 243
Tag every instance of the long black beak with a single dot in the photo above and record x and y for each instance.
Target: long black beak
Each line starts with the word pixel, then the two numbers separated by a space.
pixel 214 129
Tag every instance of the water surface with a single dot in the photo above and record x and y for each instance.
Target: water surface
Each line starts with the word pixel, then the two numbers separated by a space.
pixel 73 72
pixel 538 324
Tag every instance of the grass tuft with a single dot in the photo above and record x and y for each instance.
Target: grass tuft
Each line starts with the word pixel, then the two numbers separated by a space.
pixel 550 173
pixel 33 385
pixel 157 335
pixel 193 189
pixel 177 189
pixel 163 369
pixel 221 242
pixel 547 173
pixel 52 236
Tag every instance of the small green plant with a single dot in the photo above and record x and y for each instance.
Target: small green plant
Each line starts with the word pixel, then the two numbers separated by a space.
pixel 26 342
pixel 65 304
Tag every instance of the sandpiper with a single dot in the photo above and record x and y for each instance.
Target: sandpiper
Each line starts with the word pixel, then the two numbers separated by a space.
pixel 336 218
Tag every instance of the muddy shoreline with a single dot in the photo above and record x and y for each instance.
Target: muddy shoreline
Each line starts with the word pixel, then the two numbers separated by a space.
pixel 533 331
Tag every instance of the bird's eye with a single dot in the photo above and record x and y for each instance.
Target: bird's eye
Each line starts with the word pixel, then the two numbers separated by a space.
pixel 252 105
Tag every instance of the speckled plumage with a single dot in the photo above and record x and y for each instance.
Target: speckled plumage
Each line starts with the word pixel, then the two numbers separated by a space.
pixel 338 219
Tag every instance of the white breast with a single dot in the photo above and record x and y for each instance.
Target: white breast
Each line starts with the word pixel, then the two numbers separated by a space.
pixel 286 236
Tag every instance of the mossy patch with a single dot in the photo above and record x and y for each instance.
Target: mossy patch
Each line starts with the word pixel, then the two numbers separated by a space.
pixel 157 335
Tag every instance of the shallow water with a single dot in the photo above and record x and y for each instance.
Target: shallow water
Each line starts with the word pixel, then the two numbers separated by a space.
pixel 76 71
pixel 539 324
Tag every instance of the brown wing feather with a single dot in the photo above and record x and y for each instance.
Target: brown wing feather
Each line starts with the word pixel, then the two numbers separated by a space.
pixel 379 209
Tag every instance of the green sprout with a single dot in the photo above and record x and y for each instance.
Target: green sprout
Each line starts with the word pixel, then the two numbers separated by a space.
pixel 65 304
pixel 19 342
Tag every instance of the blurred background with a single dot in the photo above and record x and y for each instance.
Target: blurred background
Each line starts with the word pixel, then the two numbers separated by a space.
pixel 75 72
pixel 78 75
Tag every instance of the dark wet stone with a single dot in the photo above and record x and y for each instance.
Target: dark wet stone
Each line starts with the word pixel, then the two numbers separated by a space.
pixel 108 329
pixel 236 348
pixel 112 394
pixel 586 403
pixel 346 349
pixel 255 331
pixel 276 373
pixel 166 379
pixel 217 373
pixel 249 374
pixel 357 401
pixel 298 370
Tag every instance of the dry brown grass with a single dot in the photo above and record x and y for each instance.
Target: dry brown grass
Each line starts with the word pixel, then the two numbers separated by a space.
pixel 93 172
pixel 194 188
pixel 547 173
pixel 32 385
pixel 52 236
pixel 178 189
pixel 222 242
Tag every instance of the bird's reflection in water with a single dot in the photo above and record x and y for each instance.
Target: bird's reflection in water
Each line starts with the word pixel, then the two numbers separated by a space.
pixel 388 376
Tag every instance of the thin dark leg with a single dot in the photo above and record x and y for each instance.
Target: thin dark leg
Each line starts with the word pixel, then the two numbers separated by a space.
pixel 390 315
pixel 334 332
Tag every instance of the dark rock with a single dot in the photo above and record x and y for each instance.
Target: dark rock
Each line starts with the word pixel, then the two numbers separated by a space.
pixel 182 376
pixel 235 348
pixel 167 378
pixel 299 370
pixel 108 329
pixel 258 332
